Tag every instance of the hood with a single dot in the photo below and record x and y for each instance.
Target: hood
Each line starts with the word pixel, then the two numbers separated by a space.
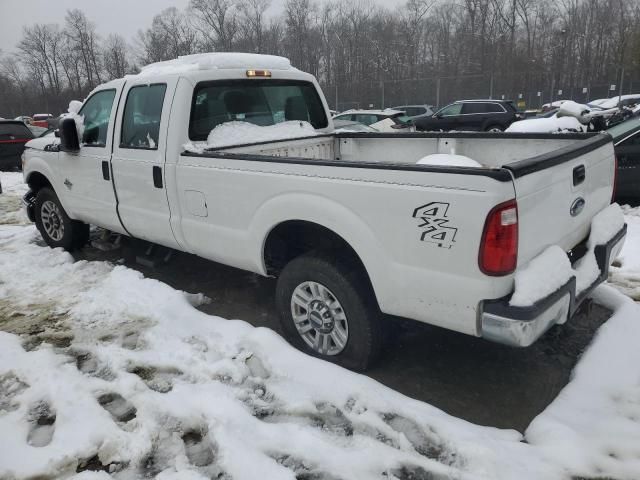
pixel 41 142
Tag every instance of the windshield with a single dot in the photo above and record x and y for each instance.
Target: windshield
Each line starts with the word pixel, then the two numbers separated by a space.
pixel 261 102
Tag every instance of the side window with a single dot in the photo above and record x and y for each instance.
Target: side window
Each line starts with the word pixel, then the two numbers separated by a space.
pixel 474 107
pixel 96 112
pixel 141 119
pixel 366 119
pixel 453 109
pixel 495 108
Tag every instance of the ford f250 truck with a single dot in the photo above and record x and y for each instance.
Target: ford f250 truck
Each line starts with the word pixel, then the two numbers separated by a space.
pixel 352 224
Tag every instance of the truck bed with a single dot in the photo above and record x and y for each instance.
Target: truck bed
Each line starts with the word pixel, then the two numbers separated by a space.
pixel 492 150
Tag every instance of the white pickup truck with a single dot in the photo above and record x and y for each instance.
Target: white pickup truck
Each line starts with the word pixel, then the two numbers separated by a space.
pixel 350 223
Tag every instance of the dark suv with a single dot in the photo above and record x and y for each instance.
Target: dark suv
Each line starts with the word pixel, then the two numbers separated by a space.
pixel 483 115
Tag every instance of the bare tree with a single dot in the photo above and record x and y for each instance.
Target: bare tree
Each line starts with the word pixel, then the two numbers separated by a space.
pixel 217 22
pixel 114 56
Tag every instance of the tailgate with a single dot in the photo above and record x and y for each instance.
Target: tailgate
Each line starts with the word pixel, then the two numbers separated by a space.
pixel 559 192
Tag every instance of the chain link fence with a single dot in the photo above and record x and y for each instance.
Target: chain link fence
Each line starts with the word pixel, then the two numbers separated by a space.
pixel 535 90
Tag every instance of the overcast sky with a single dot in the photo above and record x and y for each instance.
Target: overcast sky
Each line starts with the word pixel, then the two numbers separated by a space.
pixel 125 17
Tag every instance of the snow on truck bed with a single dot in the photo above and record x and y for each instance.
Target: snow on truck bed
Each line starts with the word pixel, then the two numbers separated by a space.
pixel 120 372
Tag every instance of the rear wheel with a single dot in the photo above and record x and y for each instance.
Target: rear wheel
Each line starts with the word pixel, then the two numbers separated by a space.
pixel 327 309
pixel 55 226
pixel 494 128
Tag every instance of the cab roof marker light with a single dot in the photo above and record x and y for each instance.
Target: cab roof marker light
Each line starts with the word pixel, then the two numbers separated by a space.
pixel 258 73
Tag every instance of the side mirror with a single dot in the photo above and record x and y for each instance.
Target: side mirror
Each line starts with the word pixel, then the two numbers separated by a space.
pixel 69 135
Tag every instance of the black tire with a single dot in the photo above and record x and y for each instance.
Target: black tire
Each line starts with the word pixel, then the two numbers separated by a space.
pixel 73 235
pixel 346 281
pixel 494 128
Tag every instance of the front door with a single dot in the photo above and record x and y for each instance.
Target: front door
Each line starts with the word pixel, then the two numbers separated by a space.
pixel 85 174
pixel 139 159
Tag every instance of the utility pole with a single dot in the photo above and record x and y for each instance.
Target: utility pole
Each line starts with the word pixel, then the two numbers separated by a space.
pixel 437 92
pixel 382 89
pixel 620 86
pixel 491 87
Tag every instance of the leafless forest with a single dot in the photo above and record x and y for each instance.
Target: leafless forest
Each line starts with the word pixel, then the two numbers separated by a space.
pixel 428 51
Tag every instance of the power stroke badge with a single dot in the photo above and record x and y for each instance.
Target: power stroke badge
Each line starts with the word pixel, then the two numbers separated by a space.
pixel 435 225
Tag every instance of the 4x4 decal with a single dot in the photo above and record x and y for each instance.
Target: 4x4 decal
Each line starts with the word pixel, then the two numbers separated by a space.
pixel 435 224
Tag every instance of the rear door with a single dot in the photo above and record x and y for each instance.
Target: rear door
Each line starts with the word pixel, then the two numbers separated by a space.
pixel 139 158
pixel 559 192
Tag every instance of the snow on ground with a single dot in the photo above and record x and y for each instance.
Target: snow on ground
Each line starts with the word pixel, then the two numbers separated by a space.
pixel 102 368
pixel 625 273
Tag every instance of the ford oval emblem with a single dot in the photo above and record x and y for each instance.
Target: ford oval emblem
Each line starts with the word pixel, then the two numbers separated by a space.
pixel 577 206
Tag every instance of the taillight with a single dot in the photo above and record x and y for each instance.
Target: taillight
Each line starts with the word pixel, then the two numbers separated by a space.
pixel 499 245
pixel 615 178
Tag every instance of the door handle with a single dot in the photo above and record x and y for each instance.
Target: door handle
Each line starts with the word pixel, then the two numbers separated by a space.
pixel 157 177
pixel 579 174
pixel 105 170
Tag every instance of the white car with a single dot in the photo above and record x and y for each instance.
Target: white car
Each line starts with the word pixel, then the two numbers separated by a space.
pixel 391 121
pixel 234 157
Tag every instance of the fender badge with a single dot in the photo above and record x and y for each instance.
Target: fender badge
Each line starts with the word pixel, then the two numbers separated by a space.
pixel 577 206
pixel 67 183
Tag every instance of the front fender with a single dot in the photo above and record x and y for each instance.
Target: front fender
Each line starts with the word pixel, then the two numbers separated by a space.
pixel 329 214
pixel 36 164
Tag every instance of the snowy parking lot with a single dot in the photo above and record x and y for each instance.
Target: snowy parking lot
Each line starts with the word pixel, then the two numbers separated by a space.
pixel 107 374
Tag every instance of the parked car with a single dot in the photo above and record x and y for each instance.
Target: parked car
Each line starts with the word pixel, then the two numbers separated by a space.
pixel 413 112
pixel 382 120
pixel 14 134
pixel 626 139
pixel 41 119
pixel 23 118
pixel 351 126
pixel 483 115
pixel 351 224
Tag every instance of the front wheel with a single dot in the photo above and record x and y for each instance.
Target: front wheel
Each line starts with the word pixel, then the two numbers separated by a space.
pixel 327 309
pixel 55 226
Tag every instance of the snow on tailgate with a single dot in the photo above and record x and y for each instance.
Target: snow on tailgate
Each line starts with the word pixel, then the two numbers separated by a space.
pixel 102 369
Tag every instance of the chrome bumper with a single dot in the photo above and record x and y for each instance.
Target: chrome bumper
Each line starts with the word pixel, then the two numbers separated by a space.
pixel 521 326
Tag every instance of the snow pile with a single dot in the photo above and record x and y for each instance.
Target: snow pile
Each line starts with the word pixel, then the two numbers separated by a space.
pixel 541 276
pixel 551 269
pixel 72 112
pixel 13 189
pixel 217 60
pixel 593 426
pixel 238 133
pixel 547 125
pixel 450 160
pixel 625 272
pixel 573 109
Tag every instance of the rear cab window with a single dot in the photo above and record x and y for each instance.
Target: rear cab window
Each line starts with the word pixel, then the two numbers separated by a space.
pixel 142 116
pixel 261 102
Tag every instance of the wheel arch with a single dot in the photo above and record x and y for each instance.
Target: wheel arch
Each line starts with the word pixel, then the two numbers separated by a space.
pixel 313 222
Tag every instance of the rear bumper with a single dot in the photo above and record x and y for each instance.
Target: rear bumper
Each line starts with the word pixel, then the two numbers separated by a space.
pixel 521 326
